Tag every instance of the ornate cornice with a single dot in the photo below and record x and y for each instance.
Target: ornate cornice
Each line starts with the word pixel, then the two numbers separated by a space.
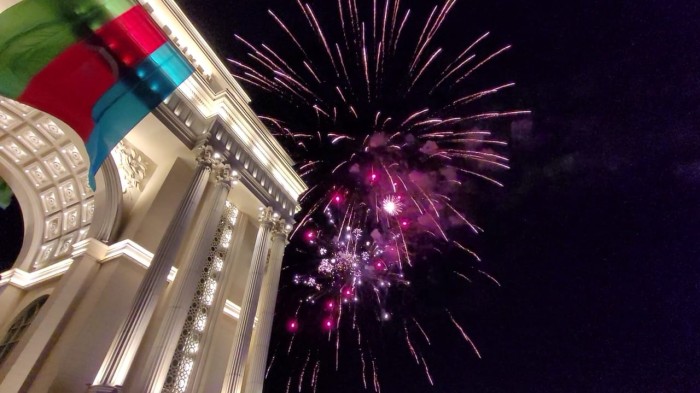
pixel 212 101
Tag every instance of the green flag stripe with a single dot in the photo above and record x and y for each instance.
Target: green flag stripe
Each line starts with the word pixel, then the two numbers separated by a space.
pixel 34 32
pixel 5 194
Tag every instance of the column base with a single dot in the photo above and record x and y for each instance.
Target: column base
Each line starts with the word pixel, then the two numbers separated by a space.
pixel 104 389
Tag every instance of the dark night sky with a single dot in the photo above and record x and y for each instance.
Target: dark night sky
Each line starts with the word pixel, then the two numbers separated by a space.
pixel 595 238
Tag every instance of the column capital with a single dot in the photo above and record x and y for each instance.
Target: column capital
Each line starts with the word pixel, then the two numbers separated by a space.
pixel 205 156
pixel 281 229
pixel 225 175
pixel 267 217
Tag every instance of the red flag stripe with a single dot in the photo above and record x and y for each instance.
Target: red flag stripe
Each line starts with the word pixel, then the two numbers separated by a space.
pixel 133 36
pixel 70 85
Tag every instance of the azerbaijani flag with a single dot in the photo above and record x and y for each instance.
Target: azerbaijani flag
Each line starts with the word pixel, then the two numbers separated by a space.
pixel 99 65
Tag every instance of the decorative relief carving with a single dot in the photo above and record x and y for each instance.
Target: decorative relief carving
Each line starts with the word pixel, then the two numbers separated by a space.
pixel 69 193
pixel 37 175
pixel 53 227
pixel 50 201
pixel 14 151
pixel 71 219
pixel 85 189
pixel 33 141
pixel 133 166
pixel 280 229
pixel 46 251
pixel 65 244
pixel 55 166
pixel 58 175
pixel 82 234
pixel 72 155
pixel 18 107
pixel 200 309
pixel 205 156
pixel 267 217
pixel 225 175
pixel 50 129
pixel 6 121
pixel 88 211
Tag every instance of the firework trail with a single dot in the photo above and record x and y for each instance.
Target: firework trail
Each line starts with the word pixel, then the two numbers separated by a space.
pixel 389 128
pixel 464 334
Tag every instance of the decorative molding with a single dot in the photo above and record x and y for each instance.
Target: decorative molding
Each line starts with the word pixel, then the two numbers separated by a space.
pixel 25 280
pixel 212 101
pixel 135 253
pixel 131 249
pixel 125 248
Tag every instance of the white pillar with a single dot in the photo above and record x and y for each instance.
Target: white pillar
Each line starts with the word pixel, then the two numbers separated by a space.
pixel 202 363
pixel 121 353
pixel 185 286
pixel 241 339
pixel 257 363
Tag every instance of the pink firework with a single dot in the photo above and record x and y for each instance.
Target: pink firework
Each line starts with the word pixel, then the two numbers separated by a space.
pixel 390 130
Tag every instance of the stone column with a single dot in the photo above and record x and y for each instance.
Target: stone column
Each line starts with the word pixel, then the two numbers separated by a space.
pixel 185 285
pixel 121 353
pixel 241 340
pixel 257 363
pixel 202 362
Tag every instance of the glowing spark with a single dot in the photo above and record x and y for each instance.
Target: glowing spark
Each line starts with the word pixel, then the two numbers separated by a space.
pixel 489 58
pixel 464 334
pixel 472 253
pixel 303 371
pixel 427 63
pixel 410 345
pixel 490 277
pixel 272 361
pixel 323 37
pixel 364 379
pixel 414 115
pixel 403 23
pixel 284 27
pixel 462 276
pixel 311 71
pixel 427 371
pixel 425 335
pixel 377 387
pixel 314 377
pixel 392 205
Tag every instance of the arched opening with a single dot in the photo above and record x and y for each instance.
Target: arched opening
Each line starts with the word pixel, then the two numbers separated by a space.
pixel 19 326
pixel 45 164
pixel 11 227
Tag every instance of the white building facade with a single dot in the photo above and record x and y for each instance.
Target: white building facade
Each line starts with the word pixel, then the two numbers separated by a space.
pixel 165 278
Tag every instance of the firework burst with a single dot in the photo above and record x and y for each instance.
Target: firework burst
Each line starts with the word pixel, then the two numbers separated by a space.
pixel 390 131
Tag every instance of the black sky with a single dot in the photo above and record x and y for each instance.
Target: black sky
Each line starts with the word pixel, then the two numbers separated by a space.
pixel 595 239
